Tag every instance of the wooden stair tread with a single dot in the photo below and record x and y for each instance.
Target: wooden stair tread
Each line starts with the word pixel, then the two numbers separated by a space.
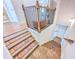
pixel 15 53
pixel 20 44
pixel 18 41
pixel 14 35
pixel 15 48
pixel 13 40
pixel 23 54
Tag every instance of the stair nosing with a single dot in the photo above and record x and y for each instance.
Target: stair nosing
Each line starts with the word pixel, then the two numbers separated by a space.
pixel 20 41
pixel 6 39
pixel 16 52
pixel 18 38
pixel 14 33
pixel 30 51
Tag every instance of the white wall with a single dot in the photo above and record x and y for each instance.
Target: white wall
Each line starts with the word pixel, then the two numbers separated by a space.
pixel 70 33
pixel 67 50
pixel 10 11
pixel 43 36
pixel 53 4
pixel 6 54
pixel 18 8
pixel 66 11
pixel 5 17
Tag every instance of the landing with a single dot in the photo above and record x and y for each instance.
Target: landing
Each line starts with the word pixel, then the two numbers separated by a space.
pixel 50 50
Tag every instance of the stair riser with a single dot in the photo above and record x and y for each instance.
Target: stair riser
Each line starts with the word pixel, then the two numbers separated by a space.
pixel 14 36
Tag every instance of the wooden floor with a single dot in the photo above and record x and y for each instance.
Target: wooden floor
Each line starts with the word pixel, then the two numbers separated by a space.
pixel 50 50
pixel 9 28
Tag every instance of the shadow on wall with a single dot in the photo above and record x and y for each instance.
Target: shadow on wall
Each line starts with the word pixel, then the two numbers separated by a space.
pixel 43 36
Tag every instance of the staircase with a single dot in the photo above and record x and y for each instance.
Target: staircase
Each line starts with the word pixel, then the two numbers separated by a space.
pixel 20 44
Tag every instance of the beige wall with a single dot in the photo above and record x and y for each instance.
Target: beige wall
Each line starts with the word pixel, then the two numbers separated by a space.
pixel 67 50
pixel 53 4
pixel 66 11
